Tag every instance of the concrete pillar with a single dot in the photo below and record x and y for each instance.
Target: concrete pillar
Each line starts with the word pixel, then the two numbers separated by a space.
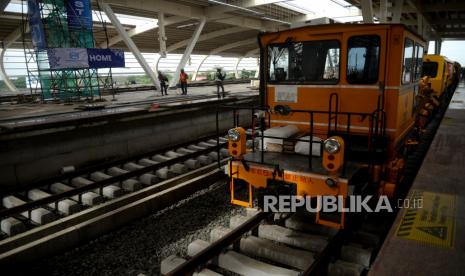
pixel 188 51
pixel 420 24
pixel 129 43
pixel 196 72
pixel 157 63
pixel 383 11
pixel 437 46
pixel 7 42
pixel 240 264
pixel 397 11
pixel 367 11
pixel 236 65
pixel 257 72
pixel 161 34
pixel 11 86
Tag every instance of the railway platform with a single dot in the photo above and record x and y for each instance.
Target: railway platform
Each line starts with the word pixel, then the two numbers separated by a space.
pixel 14 116
pixel 427 238
pixel 39 139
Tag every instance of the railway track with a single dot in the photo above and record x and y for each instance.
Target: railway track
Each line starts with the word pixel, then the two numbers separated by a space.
pixel 33 218
pixel 286 245
pixel 256 245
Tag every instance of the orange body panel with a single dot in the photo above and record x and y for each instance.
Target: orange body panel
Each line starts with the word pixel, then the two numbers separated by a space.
pixel 399 98
pixel 397 81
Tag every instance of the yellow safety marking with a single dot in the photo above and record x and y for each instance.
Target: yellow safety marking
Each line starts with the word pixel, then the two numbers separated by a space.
pixel 431 220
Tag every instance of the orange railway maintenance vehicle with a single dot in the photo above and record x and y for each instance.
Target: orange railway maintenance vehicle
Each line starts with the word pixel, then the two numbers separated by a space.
pixel 338 113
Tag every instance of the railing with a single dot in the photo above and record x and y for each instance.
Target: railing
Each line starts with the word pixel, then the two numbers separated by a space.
pixel 376 126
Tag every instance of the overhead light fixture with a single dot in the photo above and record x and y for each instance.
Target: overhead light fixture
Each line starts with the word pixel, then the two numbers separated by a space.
pixel 276 20
pixel 234 6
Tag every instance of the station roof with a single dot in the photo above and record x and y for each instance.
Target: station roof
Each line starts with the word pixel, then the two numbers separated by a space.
pixel 434 19
pixel 232 25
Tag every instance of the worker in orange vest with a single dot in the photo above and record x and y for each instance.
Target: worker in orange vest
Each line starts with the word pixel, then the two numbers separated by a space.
pixel 183 80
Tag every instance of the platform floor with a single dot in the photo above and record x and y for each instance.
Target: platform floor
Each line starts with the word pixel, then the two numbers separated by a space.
pixel 431 240
pixel 14 115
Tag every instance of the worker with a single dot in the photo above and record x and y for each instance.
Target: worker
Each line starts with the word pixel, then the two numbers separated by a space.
pixel 219 78
pixel 163 83
pixel 183 80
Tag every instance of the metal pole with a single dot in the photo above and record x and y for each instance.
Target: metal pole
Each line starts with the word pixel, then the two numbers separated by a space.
pixel 194 76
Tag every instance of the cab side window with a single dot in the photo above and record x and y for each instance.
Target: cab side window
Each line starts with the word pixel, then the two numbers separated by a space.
pixel 304 62
pixel 407 68
pixel 419 60
pixel 363 59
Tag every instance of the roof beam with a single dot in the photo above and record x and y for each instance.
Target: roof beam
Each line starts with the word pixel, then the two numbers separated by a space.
pixel 204 37
pixel 397 11
pixel 383 11
pixel 193 13
pixel 168 7
pixel 141 29
pixel 367 11
pixel 3 4
pixel 233 45
pixel 439 7
pixel 215 11
pixel 426 23
pixel 182 13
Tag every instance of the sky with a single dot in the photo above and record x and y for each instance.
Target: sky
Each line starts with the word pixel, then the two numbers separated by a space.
pixel 452 49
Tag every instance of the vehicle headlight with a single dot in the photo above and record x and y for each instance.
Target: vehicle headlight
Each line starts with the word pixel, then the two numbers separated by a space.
pixel 332 145
pixel 234 135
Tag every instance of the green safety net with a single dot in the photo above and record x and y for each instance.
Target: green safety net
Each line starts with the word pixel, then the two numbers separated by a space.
pixel 69 84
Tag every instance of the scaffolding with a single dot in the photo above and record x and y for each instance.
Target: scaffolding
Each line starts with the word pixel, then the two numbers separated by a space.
pixel 63 27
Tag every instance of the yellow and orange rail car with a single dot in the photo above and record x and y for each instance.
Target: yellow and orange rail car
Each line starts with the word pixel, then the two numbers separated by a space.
pixel 350 93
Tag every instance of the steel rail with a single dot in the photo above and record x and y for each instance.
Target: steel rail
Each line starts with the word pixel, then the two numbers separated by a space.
pixel 100 184
pixel 217 247
pixel 102 166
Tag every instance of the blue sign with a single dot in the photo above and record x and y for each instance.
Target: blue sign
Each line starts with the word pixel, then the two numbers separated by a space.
pixel 35 24
pixel 79 14
pixel 78 58
pixel 105 58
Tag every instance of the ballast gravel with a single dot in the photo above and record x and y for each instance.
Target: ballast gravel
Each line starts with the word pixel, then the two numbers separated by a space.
pixel 139 247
